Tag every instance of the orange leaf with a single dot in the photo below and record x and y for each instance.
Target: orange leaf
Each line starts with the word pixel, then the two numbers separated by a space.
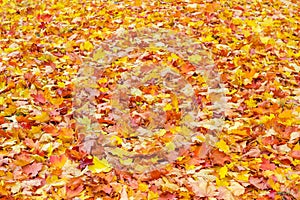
pixel 187 68
pixel 73 193
pixel 58 161
pixel 219 158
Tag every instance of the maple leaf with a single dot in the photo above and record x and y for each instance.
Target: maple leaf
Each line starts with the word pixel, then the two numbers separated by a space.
pixel 202 188
pixel 74 192
pixel 295 154
pixel 45 46
pixel 260 183
pixel 39 97
pixel 58 161
pixel 266 165
pixel 296 151
pixel 100 165
pixel 218 157
pixel 236 188
pixel 201 151
pixel 33 169
pixel 124 195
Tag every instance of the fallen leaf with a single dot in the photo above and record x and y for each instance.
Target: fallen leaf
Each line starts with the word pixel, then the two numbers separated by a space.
pixel 100 165
pixel 267 165
pixel 260 183
pixel 33 169
pixel 236 188
pixel 202 188
pixel 218 157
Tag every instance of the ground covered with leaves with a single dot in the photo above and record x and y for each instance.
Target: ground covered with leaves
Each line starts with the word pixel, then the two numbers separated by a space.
pixel 255 49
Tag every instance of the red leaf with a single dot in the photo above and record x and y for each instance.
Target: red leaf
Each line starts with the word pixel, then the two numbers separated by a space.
pixel 295 154
pixel 32 169
pixel 266 165
pixel 39 97
pixel 270 140
pixel 85 162
pixel 2 120
pixel 44 17
pixel 239 8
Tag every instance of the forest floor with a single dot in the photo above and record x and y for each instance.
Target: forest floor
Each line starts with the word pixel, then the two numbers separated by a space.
pixel 253 152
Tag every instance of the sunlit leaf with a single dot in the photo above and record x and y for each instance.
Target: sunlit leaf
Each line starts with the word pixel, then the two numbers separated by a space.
pixel 100 166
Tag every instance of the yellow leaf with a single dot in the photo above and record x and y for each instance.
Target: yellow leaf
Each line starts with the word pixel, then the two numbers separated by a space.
pixel 243 176
pixel 102 80
pixel 296 147
pixel 167 107
pixel 36 129
pixel 61 84
pixel 223 172
pixel 100 165
pixel 56 101
pixel 99 55
pixel 170 146
pixel 239 132
pixel 102 89
pixel 251 103
pixel 287 114
pixel 267 22
pixel 136 92
pixel 264 40
pixel 169 185
pixel 246 48
pixel 2 100
pixel 222 146
pixel 274 185
pixel 87 45
pixel 195 59
pixel 43 117
pixel 265 119
pixel 143 187
pixel 175 102
pixel 173 57
pixel 126 161
pixel 116 139
pixel 152 195
pixel 221 182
